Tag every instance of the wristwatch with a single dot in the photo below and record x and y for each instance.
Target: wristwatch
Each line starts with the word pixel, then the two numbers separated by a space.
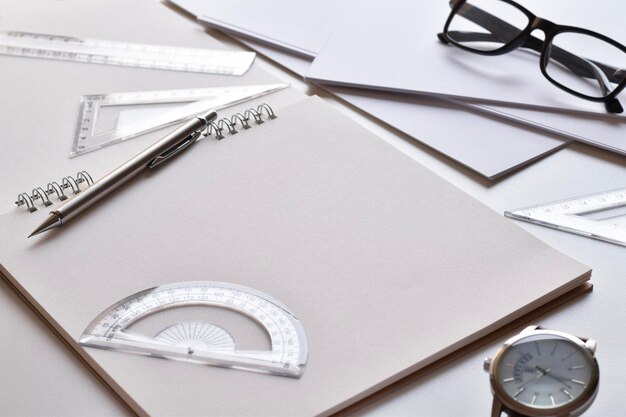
pixel 543 373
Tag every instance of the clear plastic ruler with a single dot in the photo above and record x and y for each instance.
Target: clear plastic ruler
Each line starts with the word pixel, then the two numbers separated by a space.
pixel 36 45
pixel 107 119
pixel 203 341
pixel 599 216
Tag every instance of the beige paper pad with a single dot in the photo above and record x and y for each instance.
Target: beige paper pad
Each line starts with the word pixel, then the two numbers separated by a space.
pixel 388 266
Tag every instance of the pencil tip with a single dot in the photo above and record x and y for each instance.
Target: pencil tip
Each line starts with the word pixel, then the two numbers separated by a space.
pixel 52 221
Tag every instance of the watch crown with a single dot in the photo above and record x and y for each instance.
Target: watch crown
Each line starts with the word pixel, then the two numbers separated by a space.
pixel 487 364
pixel 591 345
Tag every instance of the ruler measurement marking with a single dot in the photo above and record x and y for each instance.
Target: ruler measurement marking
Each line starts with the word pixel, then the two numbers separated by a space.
pixel 568 215
pixel 125 54
pixel 86 139
pixel 272 313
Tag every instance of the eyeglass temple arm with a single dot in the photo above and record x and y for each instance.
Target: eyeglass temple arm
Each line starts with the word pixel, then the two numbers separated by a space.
pixel 603 81
pixel 591 67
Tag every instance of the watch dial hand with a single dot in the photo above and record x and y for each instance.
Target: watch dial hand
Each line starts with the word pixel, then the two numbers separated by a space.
pixel 548 372
pixel 559 378
pixel 538 375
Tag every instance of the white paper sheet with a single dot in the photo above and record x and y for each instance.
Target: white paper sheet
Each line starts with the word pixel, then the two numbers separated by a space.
pixel 441 134
pixel 288 24
pixel 492 147
pixel 393 45
pixel 598 131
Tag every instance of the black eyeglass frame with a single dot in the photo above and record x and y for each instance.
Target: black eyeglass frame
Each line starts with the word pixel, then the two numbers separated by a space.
pixel 526 40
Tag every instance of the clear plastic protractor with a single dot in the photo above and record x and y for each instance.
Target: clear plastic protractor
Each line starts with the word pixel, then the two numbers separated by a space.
pixel 204 342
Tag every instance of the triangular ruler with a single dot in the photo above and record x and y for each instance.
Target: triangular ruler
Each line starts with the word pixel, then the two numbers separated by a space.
pixel 599 216
pixel 107 119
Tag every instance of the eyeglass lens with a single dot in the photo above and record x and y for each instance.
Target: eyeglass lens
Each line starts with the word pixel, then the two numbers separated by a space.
pixel 585 64
pixel 581 62
pixel 486 25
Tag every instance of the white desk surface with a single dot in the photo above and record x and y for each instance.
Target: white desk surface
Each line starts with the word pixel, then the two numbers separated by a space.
pixel 40 377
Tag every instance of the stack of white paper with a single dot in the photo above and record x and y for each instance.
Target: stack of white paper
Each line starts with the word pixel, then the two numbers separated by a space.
pixel 394 47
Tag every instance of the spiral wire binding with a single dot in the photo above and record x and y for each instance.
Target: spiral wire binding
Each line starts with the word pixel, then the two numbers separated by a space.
pixel 41 195
pixel 216 128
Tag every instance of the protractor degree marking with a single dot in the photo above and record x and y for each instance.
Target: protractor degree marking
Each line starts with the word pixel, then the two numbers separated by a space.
pixel 268 313
pixel 134 312
pixel 287 356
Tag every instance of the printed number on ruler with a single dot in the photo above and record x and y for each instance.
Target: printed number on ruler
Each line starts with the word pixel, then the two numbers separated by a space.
pixel 93 51
pixel 595 215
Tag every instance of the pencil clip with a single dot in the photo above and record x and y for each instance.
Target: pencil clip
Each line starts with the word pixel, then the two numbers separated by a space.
pixel 176 149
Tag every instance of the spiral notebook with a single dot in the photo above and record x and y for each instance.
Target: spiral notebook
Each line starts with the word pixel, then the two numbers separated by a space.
pixel 308 207
pixel 318 212
pixel 58 191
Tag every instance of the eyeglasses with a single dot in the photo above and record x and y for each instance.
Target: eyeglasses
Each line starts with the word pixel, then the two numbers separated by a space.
pixel 583 63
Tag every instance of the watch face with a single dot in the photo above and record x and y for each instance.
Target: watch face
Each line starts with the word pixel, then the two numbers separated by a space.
pixel 544 371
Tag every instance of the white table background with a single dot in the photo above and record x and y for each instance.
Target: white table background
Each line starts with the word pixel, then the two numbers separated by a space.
pixel 40 377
